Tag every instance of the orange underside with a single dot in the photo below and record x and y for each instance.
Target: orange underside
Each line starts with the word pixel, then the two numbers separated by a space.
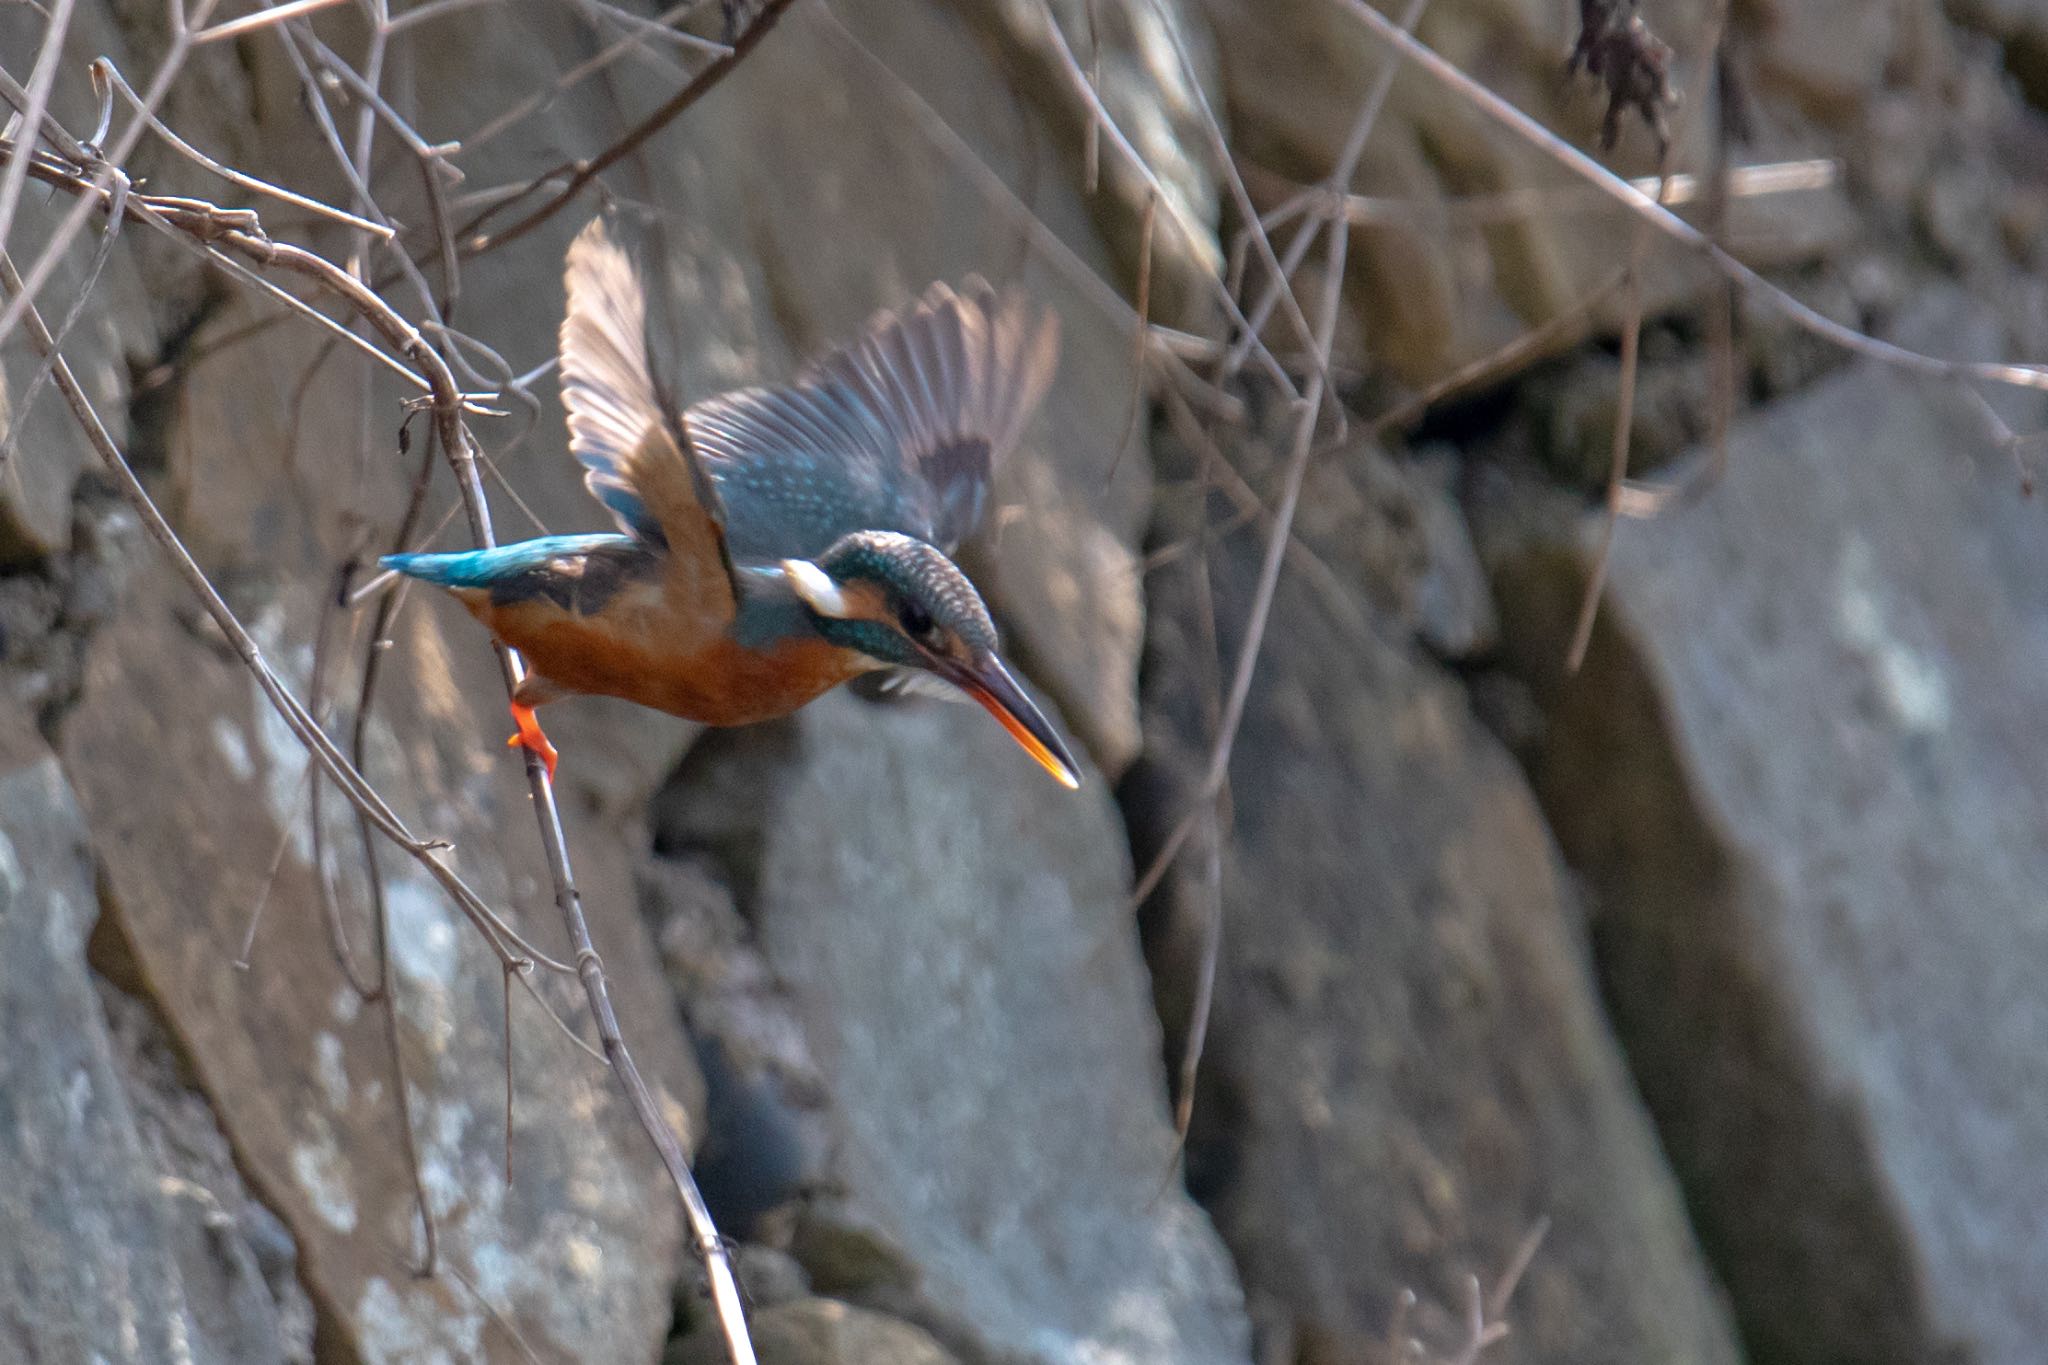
pixel 723 683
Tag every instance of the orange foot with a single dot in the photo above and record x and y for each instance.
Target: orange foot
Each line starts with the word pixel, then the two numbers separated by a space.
pixel 530 736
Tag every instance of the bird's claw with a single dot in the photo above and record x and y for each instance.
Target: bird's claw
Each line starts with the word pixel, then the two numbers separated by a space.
pixel 531 737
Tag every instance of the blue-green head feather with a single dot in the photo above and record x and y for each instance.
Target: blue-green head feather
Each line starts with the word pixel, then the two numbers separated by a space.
pixel 894 598
pixel 901 602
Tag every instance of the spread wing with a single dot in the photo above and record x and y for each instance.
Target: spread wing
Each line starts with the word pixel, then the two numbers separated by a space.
pixel 901 431
pixel 620 430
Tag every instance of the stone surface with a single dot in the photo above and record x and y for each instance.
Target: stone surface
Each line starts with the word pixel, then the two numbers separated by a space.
pixel 767 1135
pixel 581 1250
pixel 233 1241
pixel 105 1255
pixel 275 454
pixel 1153 65
pixel 42 451
pixel 1801 769
pixel 953 928
pixel 1407 1068
pixel 1435 285
pixel 822 1332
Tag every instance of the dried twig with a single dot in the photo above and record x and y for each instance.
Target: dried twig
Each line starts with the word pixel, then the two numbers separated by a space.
pixel 1196 233
pixel 1677 229
pixel 218 233
pixel 250 23
pixel 476 241
pixel 35 101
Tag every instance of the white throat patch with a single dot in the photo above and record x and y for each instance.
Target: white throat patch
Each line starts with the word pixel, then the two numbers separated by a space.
pixel 817 589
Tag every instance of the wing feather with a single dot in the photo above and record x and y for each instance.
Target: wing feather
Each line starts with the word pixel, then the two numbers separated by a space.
pixel 620 430
pixel 902 430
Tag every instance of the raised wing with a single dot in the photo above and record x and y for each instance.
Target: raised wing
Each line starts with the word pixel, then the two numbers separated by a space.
pixel 900 431
pixel 620 430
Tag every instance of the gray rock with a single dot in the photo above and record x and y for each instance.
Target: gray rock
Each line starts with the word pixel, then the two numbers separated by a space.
pixel 1434 284
pixel 1130 53
pixel 2022 26
pixel 821 1332
pixel 953 927
pixel 1802 770
pixel 581 1250
pixel 234 1245
pixel 1408 1067
pixel 1454 611
pixel 767 1129
pixel 105 1257
pixel 42 451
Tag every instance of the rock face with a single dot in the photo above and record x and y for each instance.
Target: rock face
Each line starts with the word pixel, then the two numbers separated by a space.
pixel 293 1058
pixel 953 927
pixel 1801 769
pixel 271 481
pixel 823 1332
pixel 272 455
pixel 42 452
pixel 905 1010
pixel 106 1257
pixel 1407 1069
pixel 1443 270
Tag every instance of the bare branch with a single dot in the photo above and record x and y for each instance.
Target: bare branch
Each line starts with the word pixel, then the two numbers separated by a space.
pixel 246 239
pixel 104 70
pixel 477 241
pixel 41 77
pixel 1677 229
pixel 262 19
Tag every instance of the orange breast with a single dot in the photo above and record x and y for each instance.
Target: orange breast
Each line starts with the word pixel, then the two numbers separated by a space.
pixel 721 683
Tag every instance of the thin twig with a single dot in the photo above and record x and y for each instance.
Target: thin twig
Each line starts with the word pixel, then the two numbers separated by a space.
pixel 1677 229
pixel 262 19
pixel 67 229
pixel 1337 182
pixel 284 842
pixel 476 241
pixel 1196 234
pixel 568 80
pixel 1618 447
pixel 40 78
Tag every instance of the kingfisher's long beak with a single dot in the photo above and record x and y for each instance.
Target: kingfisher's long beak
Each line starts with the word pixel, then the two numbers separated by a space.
pixel 988 682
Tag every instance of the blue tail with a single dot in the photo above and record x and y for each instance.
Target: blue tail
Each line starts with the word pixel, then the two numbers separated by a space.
pixel 483 568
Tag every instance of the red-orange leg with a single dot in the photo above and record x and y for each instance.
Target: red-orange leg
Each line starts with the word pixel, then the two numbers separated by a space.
pixel 530 736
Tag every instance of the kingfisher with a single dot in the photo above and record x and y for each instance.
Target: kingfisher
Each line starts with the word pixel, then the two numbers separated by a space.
pixel 773 542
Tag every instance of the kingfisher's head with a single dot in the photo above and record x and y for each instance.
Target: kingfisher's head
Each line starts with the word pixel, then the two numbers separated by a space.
pixel 903 603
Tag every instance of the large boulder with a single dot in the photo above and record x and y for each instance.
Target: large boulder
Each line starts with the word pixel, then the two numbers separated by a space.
pixel 953 928
pixel 1408 1069
pixel 274 457
pixel 1470 235
pixel 579 1250
pixel 1801 771
pixel 106 1255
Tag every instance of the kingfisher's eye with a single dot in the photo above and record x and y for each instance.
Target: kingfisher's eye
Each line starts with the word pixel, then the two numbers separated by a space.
pixel 917 623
